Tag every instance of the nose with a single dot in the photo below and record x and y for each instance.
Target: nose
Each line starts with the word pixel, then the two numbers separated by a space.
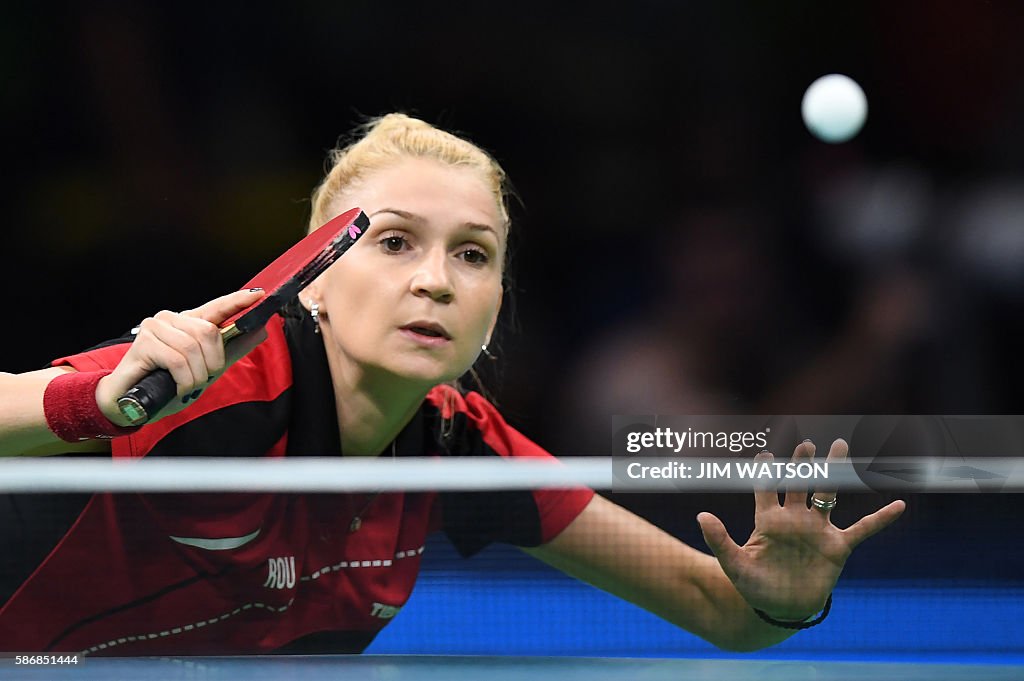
pixel 431 279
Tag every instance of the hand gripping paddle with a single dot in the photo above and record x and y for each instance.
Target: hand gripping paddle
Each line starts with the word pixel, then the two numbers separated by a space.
pixel 282 279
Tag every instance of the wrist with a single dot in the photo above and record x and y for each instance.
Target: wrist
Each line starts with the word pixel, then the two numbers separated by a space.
pixel 72 411
pixel 805 623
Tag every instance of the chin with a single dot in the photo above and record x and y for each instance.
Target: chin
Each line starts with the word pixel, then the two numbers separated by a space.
pixel 428 374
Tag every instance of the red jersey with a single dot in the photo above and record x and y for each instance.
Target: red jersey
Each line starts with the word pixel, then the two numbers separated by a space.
pixel 148 574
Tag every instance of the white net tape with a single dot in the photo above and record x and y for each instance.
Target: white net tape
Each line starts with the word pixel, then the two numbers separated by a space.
pixel 412 474
pixel 299 474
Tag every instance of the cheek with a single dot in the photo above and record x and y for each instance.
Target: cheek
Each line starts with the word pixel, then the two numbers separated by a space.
pixel 351 293
pixel 487 307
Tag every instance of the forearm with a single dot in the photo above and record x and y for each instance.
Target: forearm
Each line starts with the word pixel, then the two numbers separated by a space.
pixel 731 623
pixel 625 555
pixel 23 427
pixel 689 589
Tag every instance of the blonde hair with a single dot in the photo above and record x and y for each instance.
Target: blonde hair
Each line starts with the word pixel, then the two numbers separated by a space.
pixel 388 139
pixel 385 140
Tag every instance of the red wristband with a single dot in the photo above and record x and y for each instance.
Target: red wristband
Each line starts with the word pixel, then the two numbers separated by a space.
pixel 69 404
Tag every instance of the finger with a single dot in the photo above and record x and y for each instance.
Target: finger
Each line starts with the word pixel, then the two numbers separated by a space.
pixel 836 453
pixel 717 538
pixel 151 353
pixel 181 354
pixel 219 309
pixel 796 492
pixel 765 498
pixel 876 522
pixel 207 335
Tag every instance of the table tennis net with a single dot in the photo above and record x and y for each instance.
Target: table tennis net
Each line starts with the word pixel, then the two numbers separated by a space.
pixel 503 601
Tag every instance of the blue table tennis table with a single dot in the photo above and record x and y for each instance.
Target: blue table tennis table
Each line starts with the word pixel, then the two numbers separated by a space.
pixel 514 620
pixel 470 668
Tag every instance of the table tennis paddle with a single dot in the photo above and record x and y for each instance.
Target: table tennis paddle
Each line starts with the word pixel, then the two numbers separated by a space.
pixel 282 279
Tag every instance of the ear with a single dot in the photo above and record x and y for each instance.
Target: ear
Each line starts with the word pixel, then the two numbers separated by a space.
pixel 494 320
pixel 310 294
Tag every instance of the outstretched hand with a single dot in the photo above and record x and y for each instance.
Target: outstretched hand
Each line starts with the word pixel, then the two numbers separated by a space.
pixel 790 563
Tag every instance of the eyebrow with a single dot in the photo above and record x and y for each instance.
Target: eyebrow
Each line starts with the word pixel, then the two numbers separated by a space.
pixel 475 226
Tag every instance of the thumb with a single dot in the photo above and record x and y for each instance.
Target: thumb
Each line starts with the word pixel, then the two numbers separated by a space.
pixel 717 537
pixel 243 345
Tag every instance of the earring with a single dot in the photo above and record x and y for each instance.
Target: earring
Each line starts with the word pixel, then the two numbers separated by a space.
pixel 314 313
pixel 488 353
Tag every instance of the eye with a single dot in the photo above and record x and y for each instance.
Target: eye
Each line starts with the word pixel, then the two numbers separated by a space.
pixel 393 243
pixel 475 256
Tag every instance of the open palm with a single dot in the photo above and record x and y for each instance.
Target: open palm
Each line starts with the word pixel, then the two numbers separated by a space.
pixel 791 562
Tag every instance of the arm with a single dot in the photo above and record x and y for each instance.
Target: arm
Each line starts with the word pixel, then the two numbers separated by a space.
pixel 186 344
pixel 787 568
pixel 23 430
pixel 623 554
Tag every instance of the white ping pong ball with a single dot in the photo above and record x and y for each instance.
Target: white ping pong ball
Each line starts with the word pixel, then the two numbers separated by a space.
pixel 834 108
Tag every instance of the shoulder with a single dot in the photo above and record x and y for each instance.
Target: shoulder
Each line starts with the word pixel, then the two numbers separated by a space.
pixel 520 517
pixel 100 357
pixel 263 373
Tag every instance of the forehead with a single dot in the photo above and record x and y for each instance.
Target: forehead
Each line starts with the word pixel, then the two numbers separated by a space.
pixel 430 189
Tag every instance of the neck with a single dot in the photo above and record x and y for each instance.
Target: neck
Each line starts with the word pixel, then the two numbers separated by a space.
pixel 372 409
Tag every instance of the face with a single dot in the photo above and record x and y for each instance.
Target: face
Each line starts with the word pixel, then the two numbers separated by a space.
pixel 419 293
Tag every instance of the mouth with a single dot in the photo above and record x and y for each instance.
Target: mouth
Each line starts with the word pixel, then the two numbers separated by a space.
pixel 428 330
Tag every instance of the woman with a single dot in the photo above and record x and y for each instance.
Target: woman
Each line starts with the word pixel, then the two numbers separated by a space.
pixel 363 365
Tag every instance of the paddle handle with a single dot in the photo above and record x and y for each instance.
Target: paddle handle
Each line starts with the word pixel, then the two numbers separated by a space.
pixel 149 396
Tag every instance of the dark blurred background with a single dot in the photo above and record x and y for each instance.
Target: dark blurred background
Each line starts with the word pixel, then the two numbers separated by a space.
pixel 684 244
